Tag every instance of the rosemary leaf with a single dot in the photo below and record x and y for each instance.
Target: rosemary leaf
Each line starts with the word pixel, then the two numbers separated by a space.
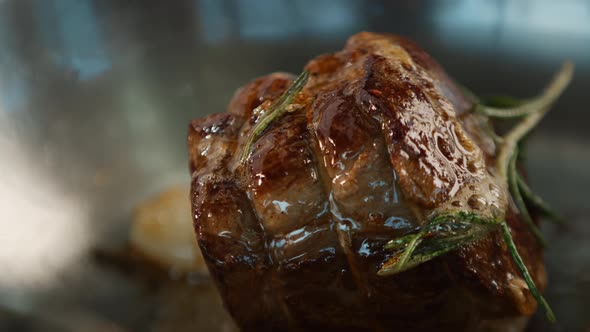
pixel 538 202
pixel 444 233
pixel 394 264
pixel 508 112
pixel 525 273
pixel 399 242
pixel 274 113
pixel 519 201
pixel 461 216
pixel 405 255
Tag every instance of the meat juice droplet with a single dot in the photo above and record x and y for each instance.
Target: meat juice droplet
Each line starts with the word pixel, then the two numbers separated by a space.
pixel 495 209
pixel 472 166
pixel 477 202
pixel 494 190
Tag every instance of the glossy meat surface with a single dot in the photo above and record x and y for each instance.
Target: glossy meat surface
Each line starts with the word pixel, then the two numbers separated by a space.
pixel 378 140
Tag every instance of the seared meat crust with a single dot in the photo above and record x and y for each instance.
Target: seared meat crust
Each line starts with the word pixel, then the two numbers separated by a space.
pixel 378 138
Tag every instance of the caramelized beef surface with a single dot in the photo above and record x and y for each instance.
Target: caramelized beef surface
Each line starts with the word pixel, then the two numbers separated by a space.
pixel 378 138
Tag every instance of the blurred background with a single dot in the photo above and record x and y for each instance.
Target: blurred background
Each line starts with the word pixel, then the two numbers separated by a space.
pixel 96 97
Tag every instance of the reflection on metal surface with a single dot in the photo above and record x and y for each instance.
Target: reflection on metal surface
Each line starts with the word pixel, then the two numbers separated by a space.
pixel 545 27
pixel 277 19
pixel 13 88
pixel 42 229
pixel 69 30
pixel 13 93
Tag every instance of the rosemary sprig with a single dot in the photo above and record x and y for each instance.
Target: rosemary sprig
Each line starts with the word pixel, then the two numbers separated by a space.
pixel 538 202
pixel 444 233
pixel 398 262
pixel 542 104
pixel 526 108
pixel 273 113
pixel 508 149
pixel 506 166
pixel 499 102
pixel 519 201
pixel 525 272
pixel 506 103
pixel 534 105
